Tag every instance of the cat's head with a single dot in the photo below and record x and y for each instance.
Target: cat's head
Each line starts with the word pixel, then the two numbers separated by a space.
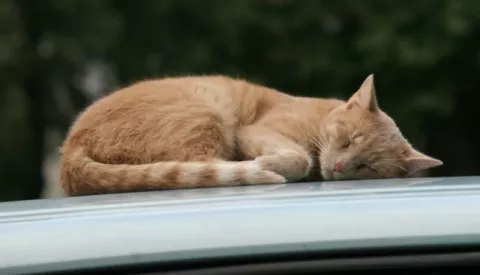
pixel 360 141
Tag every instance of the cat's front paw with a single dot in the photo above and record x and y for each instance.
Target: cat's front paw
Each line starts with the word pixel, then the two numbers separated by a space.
pixel 254 173
pixel 288 163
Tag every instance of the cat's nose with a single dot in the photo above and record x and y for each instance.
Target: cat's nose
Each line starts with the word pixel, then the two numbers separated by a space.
pixel 338 167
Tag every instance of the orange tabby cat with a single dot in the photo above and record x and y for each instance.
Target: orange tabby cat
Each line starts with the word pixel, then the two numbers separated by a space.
pixel 217 131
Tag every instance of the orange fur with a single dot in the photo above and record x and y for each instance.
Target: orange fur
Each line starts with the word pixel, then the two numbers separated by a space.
pixel 217 131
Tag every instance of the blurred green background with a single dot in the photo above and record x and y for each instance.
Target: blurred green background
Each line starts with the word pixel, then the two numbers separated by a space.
pixel 57 56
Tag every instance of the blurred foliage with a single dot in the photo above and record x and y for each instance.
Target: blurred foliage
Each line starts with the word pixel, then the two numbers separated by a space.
pixel 424 54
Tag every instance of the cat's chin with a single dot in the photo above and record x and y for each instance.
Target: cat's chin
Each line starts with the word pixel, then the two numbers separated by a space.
pixel 334 176
pixel 327 175
pixel 342 176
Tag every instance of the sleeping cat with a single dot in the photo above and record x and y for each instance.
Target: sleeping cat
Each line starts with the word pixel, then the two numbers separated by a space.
pixel 203 131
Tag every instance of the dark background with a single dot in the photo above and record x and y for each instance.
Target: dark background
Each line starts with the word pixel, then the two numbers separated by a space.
pixel 56 56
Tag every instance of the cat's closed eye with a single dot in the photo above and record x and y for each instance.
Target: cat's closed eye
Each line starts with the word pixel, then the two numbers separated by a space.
pixel 345 144
pixel 362 166
pixel 365 167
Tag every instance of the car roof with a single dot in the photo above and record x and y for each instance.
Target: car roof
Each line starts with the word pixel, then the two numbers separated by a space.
pixel 161 226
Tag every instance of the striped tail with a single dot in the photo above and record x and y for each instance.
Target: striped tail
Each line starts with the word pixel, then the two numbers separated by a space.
pixel 81 175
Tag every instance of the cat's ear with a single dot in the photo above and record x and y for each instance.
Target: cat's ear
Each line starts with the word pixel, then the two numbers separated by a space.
pixel 365 96
pixel 417 161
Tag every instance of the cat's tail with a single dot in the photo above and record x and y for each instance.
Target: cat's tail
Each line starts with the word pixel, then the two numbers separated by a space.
pixel 81 175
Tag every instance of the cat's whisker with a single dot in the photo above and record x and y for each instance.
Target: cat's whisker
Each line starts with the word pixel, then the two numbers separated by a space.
pixel 321 135
pixel 313 135
pixel 319 143
pixel 307 135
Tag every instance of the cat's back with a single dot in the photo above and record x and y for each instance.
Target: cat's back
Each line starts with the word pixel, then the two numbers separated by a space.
pixel 143 97
pixel 229 96
pixel 166 90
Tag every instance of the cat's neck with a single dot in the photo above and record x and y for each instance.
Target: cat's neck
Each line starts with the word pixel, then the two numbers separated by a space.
pixel 311 113
pixel 315 110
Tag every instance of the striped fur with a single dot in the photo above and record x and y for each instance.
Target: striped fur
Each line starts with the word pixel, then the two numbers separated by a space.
pixel 86 176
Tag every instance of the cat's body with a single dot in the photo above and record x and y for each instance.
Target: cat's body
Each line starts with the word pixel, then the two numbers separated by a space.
pixel 207 131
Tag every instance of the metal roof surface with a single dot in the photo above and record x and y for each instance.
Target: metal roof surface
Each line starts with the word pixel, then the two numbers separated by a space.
pixel 246 220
